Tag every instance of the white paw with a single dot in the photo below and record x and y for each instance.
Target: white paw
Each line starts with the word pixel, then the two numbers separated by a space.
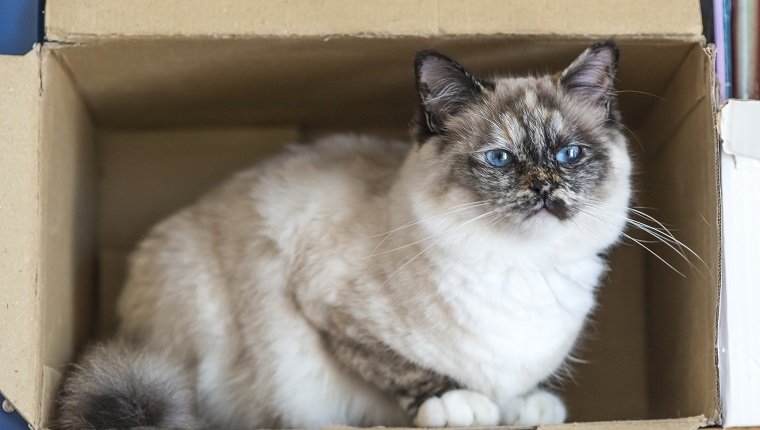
pixel 536 407
pixel 457 408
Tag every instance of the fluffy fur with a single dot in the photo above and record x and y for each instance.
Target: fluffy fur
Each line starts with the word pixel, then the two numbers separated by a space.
pixel 132 388
pixel 365 282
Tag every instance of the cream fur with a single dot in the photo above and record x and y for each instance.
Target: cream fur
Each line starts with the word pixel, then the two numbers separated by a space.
pixel 238 285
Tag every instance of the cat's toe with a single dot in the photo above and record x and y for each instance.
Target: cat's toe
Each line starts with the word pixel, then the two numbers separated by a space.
pixel 431 413
pixel 457 408
pixel 485 411
pixel 537 407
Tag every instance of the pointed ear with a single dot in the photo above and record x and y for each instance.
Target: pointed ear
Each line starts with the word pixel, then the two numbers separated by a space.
pixel 445 87
pixel 592 75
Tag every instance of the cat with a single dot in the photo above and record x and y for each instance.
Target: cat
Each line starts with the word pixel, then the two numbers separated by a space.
pixel 364 282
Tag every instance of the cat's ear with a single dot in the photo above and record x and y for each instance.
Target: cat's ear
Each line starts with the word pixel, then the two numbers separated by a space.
pixel 592 75
pixel 444 87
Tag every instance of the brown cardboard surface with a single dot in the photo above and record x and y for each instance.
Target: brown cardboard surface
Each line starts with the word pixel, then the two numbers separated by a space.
pixel 67 188
pixel 20 233
pixel 666 116
pixel 590 18
pixel 75 20
pixel 184 162
pixel 690 423
pixel 609 382
pixel 681 181
pixel 316 82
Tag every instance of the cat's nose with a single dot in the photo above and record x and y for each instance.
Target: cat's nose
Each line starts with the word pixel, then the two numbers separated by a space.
pixel 542 188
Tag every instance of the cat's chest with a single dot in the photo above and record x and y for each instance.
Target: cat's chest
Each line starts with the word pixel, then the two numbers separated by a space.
pixel 518 303
pixel 513 323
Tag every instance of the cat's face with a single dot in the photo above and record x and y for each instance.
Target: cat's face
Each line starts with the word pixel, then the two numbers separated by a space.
pixel 533 150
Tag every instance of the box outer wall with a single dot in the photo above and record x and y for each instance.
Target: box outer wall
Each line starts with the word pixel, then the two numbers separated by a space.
pixel 48 224
pixel 20 232
pixel 25 240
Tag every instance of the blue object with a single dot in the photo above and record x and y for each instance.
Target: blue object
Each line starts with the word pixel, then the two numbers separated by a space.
pixel 727 32
pixel 498 157
pixel 569 154
pixel 12 420
pixel 21 25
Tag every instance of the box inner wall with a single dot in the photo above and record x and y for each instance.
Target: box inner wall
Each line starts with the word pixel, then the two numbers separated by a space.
pixel 189 112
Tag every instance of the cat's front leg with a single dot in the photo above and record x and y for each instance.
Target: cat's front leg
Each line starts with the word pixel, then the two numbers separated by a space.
pixel 429 399
pixel 534 408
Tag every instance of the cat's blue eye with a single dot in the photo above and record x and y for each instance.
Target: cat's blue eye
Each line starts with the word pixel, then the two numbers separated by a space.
pixel 498 157
pixel 569 154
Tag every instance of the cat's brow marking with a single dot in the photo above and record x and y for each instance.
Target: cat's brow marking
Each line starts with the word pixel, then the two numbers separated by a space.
pixel 557 123
pixel 498 137
pixel 515 133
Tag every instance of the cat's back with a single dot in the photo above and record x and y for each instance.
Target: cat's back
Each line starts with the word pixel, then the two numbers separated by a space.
pixel 305 186
pixel 339 181
pixel 336 167
pixel 307 190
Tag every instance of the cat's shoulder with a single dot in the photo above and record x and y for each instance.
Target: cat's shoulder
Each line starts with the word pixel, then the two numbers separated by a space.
pixel 331 165
pixel 346 148
pixel 328 181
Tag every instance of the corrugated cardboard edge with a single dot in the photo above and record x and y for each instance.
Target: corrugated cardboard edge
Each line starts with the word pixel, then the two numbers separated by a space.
pixel 690 423
pixel 717 415
pixel 20 233
pixel 78 20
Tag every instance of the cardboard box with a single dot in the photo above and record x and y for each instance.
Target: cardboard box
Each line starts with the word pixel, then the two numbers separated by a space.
pixel 129 98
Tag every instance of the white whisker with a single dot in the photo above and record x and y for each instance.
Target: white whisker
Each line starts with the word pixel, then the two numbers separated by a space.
pixel 661 233
pixel 637 241
pixel 411 224
pixel 441 236
pixel 462 207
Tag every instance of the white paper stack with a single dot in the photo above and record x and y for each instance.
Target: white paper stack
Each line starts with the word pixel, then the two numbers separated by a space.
pixel 739 331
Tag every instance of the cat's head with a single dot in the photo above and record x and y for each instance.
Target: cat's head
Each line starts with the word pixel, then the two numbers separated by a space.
pixel 536 152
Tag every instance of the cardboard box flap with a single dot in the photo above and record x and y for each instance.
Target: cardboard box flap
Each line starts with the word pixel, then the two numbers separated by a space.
pixel 76 20
pixel 20 233
pixel 739 128
pixel 67 189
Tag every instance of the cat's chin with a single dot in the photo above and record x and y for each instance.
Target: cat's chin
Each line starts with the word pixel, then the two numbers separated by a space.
pixel 542 222
pixel 543 213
